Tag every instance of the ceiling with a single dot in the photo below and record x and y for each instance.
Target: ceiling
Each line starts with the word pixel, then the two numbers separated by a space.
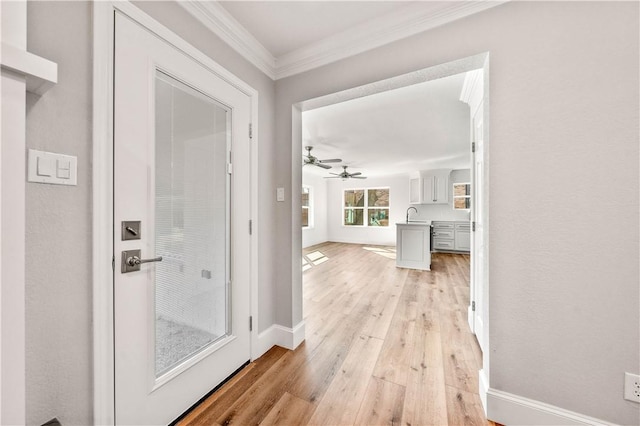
pixel 283 27
pixel 285 38
pixel 419 127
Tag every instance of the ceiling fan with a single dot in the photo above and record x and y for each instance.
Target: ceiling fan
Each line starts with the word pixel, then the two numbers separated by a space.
pixel 344 175
pixel 310 159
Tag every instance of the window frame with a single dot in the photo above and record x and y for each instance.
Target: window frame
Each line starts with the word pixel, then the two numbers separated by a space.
pixel 454 196
pixel 309 207
pixel 365 208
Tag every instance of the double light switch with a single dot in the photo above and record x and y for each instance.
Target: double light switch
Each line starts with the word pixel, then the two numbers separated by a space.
pixel 49 167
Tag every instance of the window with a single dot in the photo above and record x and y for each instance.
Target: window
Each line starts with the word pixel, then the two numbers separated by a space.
pixel 461 196
pixel 307 211
pixel 372 204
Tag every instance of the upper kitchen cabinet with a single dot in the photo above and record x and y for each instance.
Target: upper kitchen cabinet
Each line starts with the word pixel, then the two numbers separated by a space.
pixel 415 190
pixel 430 187
pixel 435 187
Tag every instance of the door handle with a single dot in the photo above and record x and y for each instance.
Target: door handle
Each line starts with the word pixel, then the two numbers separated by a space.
pixel 131 261
pixel 135 260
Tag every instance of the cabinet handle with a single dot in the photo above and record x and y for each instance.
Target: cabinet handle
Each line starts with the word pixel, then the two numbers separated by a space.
pixel 435 190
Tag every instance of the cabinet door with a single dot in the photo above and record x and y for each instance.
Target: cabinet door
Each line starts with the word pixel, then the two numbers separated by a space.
pixel 429 190
pixel 414 191
pixel 463 240
pixel 435 189
pixel 443 244
pixel 442 189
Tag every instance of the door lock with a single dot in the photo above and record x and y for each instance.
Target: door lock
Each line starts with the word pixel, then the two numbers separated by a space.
pixel 130 230
pixel 131 261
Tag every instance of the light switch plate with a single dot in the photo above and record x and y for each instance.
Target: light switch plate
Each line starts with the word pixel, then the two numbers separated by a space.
pixel 52 168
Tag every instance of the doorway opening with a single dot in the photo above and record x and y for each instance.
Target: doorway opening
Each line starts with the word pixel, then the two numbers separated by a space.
pixel 477 177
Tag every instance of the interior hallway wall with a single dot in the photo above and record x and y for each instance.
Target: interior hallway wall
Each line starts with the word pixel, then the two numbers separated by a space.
pixel 58 223
pixel 564 194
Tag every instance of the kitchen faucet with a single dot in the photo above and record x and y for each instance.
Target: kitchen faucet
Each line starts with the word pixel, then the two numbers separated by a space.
pixel 408 212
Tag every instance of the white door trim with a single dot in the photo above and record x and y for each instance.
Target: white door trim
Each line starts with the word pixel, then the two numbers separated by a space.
pixel 103 36
pixel 478 61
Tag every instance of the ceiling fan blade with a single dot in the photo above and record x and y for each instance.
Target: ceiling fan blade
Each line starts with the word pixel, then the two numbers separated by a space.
pixel 331 160
pixel 355 174
pixel 332 177
pixel 322 165
pixel 358 177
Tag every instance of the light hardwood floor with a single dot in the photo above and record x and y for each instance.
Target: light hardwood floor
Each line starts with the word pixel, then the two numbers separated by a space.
pixel 384 345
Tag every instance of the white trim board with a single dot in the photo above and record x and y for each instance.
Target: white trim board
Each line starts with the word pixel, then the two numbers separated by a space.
pixel 509 409
pixel 285 337
pixel 103 36
pixel 358 39
pixel 41 74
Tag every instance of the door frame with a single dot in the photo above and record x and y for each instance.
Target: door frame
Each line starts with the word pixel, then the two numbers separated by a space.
pixel 475 62
pixel 103 269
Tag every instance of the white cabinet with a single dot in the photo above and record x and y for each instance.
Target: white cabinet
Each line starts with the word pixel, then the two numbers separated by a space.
pixel 415 191
pixel 431 187
pixel 435 189
pixel 443 235
pixel 463 236
pixel 413 246
pixel 451 236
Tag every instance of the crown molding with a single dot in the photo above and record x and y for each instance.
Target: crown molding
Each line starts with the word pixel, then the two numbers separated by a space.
pixel 375 33
pixel 361 38
pixel 221 23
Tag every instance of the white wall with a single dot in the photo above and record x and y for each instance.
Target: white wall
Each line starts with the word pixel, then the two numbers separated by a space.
pixel 563 198
pixel 398 202
pixel 318 233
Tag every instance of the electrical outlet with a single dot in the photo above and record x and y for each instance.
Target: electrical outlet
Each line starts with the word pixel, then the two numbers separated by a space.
pixel 632 387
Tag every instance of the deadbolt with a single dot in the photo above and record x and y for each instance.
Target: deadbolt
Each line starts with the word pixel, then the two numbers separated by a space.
pixel 130 230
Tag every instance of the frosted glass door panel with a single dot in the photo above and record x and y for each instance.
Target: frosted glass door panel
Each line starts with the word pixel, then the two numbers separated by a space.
pixel 192 140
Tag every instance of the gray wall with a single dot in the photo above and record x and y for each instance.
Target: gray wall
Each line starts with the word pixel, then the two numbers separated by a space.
pixel 58 223
pixel 564 293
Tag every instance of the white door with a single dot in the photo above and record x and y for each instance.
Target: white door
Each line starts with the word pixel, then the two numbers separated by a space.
pixel 478 277
pixel 182 319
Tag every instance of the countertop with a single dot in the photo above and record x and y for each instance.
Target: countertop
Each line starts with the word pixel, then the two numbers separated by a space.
pixel 412 223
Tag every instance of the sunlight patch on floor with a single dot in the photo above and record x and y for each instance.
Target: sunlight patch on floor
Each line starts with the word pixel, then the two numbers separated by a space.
pixel 388 252
pixel 312 259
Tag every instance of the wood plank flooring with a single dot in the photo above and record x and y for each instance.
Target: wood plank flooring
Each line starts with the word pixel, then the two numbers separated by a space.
pixel 384 345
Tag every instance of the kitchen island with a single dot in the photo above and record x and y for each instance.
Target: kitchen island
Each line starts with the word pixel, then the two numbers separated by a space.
pixel 413 245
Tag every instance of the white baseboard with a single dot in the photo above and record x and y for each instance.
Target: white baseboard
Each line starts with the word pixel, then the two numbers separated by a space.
pixel 509 409
pixel 483 385
pixel 288 338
